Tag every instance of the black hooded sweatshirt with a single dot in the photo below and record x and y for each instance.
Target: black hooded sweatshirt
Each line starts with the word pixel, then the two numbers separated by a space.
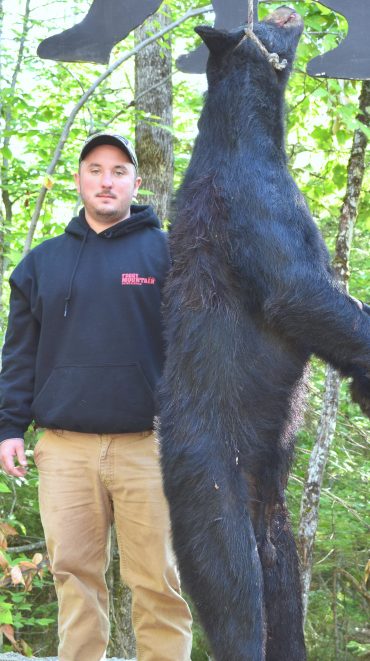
pixel 84 345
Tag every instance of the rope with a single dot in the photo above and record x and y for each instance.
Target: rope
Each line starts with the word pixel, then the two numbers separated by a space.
pixel 250 14
pixel 273 58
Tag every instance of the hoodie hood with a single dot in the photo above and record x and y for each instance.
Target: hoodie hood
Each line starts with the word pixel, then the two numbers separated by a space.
pixel 141 216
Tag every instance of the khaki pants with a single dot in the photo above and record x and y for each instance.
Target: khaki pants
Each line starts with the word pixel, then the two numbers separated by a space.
pixel 86 482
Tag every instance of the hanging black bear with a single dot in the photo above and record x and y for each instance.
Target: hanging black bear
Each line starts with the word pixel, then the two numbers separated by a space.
pixel 249 299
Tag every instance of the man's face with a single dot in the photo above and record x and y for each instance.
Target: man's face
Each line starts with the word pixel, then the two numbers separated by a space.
pixel 107 182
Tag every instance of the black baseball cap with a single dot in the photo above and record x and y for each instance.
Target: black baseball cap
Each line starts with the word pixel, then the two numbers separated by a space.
pixel 110 139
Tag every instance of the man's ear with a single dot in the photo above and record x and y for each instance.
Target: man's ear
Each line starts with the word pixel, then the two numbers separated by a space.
pixel 138 182
pixel 218 41
pixel 76 177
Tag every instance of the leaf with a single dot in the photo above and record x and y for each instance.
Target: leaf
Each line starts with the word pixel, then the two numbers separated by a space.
pixel 4 564
pixel 26 565
pixel 6 616
pixel 4 488
pixel 7 154
pixel 45 621
pixel 7 529
pixel 37 558
pixel 28 582
pixel 8 632
pixel 25 648
pixel 367 572
pixel 17 576
pixel 48 182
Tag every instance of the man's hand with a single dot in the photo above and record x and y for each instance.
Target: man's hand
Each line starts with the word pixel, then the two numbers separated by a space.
pixel 9 449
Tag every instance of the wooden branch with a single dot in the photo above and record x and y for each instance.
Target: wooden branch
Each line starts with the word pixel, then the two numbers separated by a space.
pixel 69 123
pixel 26 547
pixel 148 90
pixel 355 584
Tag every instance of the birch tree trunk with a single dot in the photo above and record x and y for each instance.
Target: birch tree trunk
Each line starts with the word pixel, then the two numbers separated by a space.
pixel 326 429
pixel 153 99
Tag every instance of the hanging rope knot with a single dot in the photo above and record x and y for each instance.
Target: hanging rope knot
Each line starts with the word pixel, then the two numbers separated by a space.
pixel 272 58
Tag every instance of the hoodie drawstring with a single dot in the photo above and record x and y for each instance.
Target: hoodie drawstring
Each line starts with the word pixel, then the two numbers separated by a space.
pixel 69 294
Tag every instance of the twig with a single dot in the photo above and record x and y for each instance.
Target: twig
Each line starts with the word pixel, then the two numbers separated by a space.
pixel 26 547
pixel 355 584
pixel 148 90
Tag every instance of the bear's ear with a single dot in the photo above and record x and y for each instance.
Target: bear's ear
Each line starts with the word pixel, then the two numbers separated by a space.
pixel 218 41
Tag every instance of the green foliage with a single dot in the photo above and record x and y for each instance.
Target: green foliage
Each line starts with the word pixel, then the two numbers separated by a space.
pixel 336 610
pixel 30 608
pixel 6 616
pixel 322 116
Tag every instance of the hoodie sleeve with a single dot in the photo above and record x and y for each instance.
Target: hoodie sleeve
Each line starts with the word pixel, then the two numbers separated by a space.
pixel 19 357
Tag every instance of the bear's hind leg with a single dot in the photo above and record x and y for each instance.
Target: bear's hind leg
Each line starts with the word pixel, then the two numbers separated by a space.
pixel 216 548
pixel 282 592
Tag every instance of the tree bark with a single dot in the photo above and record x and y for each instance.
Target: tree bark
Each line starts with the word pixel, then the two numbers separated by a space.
pixel 312 490
pixel 153 94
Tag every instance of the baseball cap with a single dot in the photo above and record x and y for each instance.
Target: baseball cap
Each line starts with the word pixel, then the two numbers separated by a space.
pixel 109 139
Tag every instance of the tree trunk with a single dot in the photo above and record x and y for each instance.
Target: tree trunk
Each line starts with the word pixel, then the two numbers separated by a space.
pixel 326 429
pixel 153 100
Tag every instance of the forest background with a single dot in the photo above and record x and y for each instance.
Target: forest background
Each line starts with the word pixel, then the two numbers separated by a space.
pixel 47 111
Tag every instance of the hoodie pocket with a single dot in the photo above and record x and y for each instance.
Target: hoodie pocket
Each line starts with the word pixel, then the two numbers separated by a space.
pixel 96 399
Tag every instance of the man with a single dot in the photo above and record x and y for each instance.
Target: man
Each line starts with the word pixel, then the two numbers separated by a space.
pixel 82 356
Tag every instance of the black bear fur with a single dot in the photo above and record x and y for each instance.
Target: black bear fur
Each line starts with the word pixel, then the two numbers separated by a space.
pixel 250 297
